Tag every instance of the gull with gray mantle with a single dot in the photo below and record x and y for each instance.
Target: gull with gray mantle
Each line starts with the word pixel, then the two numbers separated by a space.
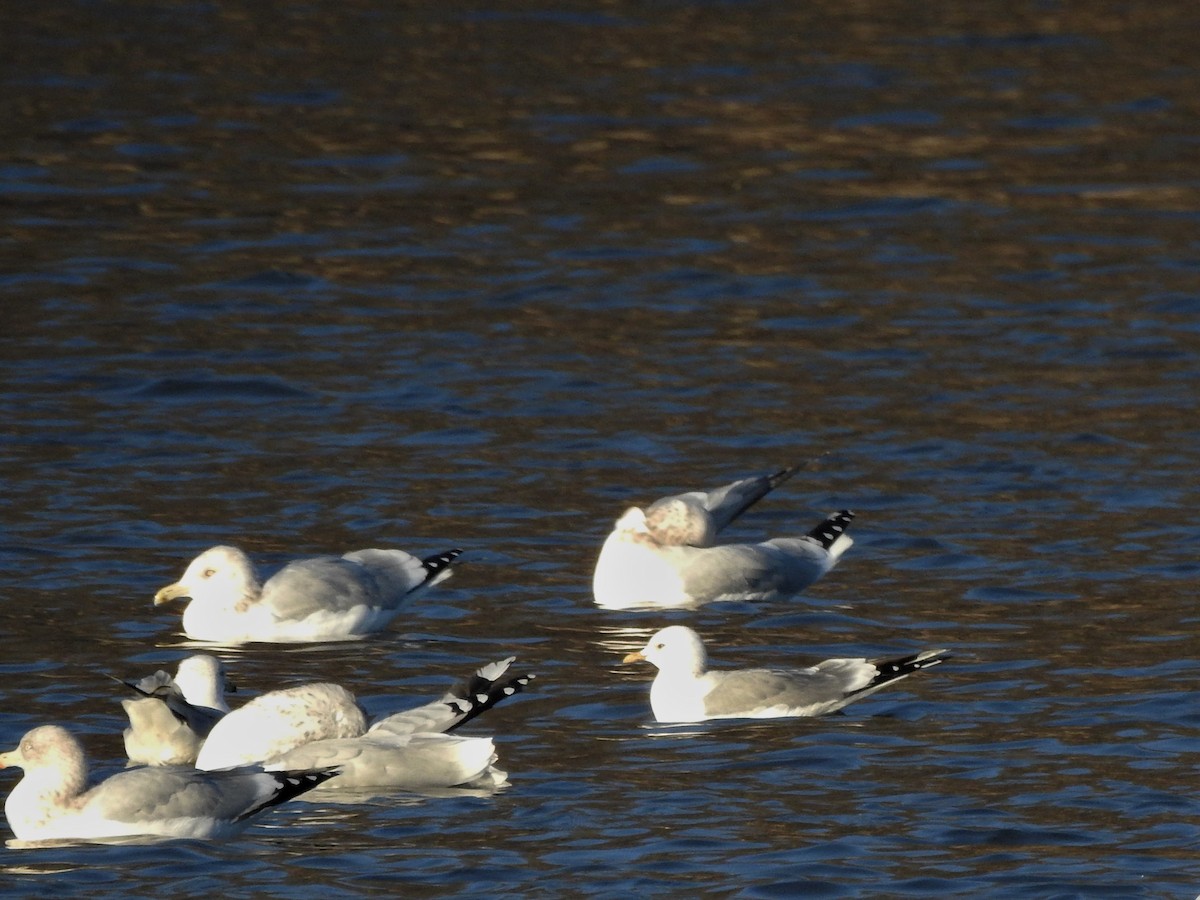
pixel 321 725
pixel 53 801
pixel 324 598
pixel 667 555
pixel 686 690
pixel 170 720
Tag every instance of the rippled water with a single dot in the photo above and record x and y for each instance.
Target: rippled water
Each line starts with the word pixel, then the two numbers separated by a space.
pixel 311 277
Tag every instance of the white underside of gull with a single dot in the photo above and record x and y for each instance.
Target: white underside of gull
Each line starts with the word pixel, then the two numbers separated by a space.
pixel 215 624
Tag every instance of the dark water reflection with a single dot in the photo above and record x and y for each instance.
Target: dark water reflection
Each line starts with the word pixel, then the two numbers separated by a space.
pixel 321 276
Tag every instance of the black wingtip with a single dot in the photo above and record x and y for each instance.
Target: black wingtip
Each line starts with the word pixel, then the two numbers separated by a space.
pixel 439 562
pixel 292 784
pixel 891 669
pixel 832 528
pixel 128 684
pixel 132 685
pixel 478 694
pixel 777 478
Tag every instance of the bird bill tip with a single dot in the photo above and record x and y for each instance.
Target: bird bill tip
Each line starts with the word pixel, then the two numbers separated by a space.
pixel 169 593
pixel 635 656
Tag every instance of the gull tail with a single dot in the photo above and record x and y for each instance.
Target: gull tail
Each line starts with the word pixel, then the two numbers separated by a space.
pixel 827 533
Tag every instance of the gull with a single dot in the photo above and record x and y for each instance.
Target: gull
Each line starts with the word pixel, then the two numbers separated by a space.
pixel 278 721
pixel 53 802
pixel 686 690
pixel 667 556
pixel 324 598
pixel 170 720
pixel 319 725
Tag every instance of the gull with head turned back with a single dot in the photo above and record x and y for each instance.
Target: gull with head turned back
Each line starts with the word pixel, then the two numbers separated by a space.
pixel 667 556
pixel 170 719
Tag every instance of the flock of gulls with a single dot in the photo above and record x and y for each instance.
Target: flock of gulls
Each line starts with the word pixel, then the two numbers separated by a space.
pixel 201 770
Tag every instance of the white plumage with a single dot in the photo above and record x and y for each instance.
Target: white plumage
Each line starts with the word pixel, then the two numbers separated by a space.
pixel 318 725
pixel 169 722
pixel 667 556
pixel 686 690
pixel 325 598
pixel 53 801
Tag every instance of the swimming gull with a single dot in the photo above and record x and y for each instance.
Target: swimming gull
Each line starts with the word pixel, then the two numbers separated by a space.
pixel 53 802
pixel 667 555
pixel 170 720
pixel 686 690
pixel 324 598
pixel 314 726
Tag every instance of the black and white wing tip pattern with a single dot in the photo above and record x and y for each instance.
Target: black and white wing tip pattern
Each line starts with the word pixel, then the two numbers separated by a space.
pixel 438 565
pixel 891 669
pixel 290 785
pixel 485 688
pixel 827 533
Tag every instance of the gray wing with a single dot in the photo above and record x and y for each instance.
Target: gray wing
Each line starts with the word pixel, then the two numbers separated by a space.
pixel 396 574
pixel 728 502
pixel 154 794
pixel 486 687
pixel 743 691
pixel 323 583
pixel 151 684
pixel 783 567
pixel 160 686
pixel 199 719
pixel 437 716
pixel 696 518
pixel 412 762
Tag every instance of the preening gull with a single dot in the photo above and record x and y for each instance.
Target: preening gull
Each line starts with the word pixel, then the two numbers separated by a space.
pixel 322 724
pixel 667 556
pixel 686 690
pixel 278 721
pixel 173 716
pixel 325 598
pixel 53 802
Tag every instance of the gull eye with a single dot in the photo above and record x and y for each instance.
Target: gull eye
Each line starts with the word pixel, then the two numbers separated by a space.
pixel 659 645
pixel 208 573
